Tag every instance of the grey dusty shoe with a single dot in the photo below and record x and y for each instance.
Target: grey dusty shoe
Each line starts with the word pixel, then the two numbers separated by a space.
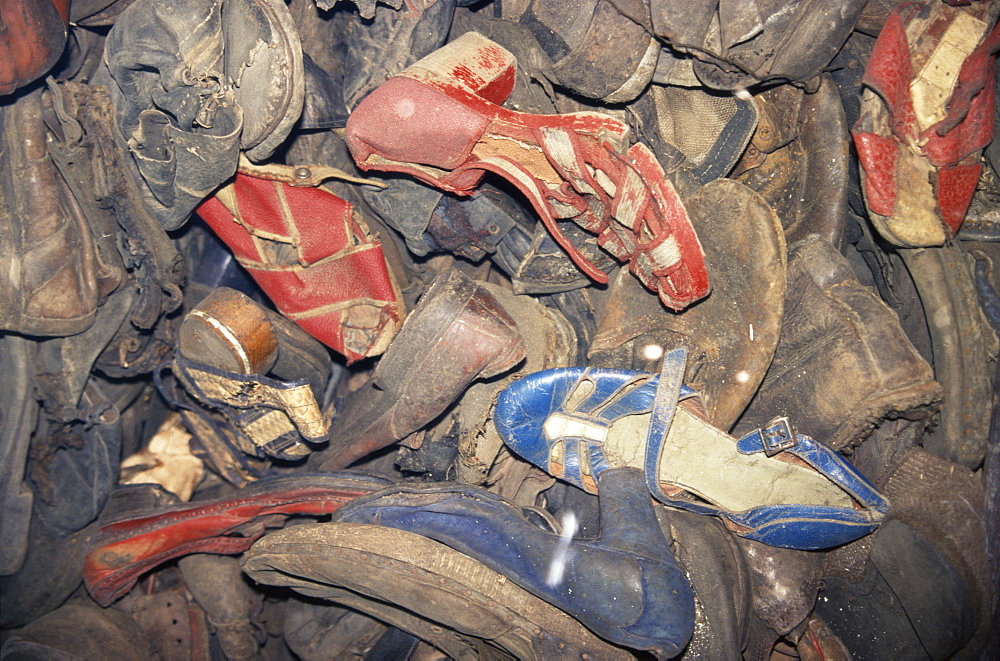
pixel 422 586
pixel 197 82
pixel 459 332
pixel 79 630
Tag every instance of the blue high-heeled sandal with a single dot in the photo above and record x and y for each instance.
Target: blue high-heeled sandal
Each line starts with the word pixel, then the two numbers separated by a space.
pixel 772 485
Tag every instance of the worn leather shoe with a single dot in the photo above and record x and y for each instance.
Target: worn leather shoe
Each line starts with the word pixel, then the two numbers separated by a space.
pixel 459 332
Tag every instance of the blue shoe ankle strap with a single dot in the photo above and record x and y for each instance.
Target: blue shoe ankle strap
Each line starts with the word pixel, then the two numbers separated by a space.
pixel 668 392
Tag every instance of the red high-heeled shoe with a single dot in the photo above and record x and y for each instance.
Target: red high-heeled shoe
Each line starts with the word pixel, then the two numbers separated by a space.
pixel 440 121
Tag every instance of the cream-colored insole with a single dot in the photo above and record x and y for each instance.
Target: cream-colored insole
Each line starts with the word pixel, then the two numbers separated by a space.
pixel 529 156
pixel 704 461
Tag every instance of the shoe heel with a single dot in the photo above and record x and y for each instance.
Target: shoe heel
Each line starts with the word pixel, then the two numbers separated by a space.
pixel 231 332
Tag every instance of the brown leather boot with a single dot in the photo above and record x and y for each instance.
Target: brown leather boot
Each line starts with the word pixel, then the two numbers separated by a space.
pixel 731 335
pixel 48 284
pixel 843 363
pixel 458 333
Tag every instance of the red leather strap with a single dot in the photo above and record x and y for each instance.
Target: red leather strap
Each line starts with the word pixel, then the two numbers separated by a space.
pixel 878 155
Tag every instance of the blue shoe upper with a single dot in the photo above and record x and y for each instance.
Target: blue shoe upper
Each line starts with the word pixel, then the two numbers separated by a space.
pixel 523 408
pixel 626 587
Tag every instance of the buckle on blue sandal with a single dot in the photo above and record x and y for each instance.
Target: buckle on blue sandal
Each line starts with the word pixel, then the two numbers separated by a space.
pixel 778 436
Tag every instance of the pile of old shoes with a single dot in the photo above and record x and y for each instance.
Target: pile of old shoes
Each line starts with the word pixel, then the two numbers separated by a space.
pixel 547 329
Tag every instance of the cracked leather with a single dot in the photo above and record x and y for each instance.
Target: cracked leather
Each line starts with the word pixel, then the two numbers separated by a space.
pixel 127 547
pixel 842 356
pixel 731 336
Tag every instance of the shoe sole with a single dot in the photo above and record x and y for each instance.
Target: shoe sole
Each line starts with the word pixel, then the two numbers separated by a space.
pixel 427 578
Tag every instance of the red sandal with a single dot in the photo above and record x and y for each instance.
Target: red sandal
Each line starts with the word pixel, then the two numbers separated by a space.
pixel 440 121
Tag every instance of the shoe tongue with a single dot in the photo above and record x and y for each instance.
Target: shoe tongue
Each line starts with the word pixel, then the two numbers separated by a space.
pixel 471 63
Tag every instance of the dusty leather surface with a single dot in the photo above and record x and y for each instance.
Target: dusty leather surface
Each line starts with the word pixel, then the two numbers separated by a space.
pixel 843 357
pixel 217 585
pixel 174 625
pixel 741 43
pixel 596 58
pixel 798 160
pixel 150 288
pixel 549 341
pixel 731 335
pixel 962 344
pixel 785 583
pixel 459 332
pixel 48 256
pixel 385 564
pixel 80 630
pixel 720 579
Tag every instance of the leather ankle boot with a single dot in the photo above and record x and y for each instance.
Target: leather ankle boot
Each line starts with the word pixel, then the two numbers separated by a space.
pixel 47 258
pixel 458 333
pixel 843 363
